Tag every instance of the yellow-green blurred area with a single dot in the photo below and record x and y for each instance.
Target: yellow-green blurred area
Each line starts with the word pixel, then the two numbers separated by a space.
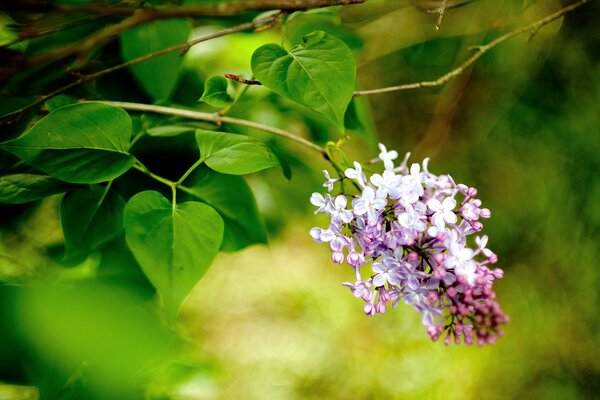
pixel 274 322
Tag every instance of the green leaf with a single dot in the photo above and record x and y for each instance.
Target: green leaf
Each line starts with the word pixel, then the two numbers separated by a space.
pixel 231 196
pixel 173 245
pixel 320 73
pixel 215 92
pixel 81 143
pixel 169 130
pixel 22 188
pixel 158 77
pixel 234 154
pixel 90 218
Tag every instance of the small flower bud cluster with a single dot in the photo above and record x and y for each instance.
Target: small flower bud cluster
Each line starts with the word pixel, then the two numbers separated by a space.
pixel 405 235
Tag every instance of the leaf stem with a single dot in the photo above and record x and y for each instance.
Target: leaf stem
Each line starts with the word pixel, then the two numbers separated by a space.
pixel 478 52
pixel 189 171
pixel 106 190
pixel 173 185
pixel 142 168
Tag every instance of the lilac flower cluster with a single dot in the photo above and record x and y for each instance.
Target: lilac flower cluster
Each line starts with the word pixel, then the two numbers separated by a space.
pixel 405 236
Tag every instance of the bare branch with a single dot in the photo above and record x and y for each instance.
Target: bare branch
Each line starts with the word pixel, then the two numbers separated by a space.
pixel 163 12
pixel 239 79
pixel 138 16
pixel 441 10
pixel 215 118
pixel 478 52
pixel 183 46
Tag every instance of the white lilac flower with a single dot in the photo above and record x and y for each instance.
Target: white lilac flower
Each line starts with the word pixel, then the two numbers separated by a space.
pixel 461 260
pixel 386 184
pixel 406 233
pixel 337 211
pixel 411 188
pixel 357 174
pixel 385 272
pixel 443 211
pixel 387 157
pixel 329 181
pixel 411 219
pixel 369 203
pixel 318 200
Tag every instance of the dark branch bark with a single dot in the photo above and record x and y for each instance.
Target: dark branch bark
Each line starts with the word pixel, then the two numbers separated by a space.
pixel 139 16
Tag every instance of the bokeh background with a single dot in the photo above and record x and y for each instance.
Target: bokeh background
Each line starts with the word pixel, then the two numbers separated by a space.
pixel 274 322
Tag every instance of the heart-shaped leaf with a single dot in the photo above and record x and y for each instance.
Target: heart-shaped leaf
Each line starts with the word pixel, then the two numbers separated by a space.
pixel 22 188
pixel 173 245
pixel 80 143
pixel 231 196
pixel 320 73
pixel 234 154
pixel 215 92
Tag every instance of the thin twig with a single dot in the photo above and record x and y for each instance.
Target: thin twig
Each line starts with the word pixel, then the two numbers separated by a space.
pixel 239 79
pixel 215 118
pixel 478 52
pixel 440 11
pixel 28 33
pixel 87 78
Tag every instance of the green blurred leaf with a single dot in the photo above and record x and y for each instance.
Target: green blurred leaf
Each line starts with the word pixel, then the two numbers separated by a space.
pixel 330 14
pixel 215 92
pixel 359 120
pixel 231 196
pixel 80 143
pixel 90 218
pixel 173 245
pixel 158 77
pixel 234 154
pixel 102 331
pixel 305 73
pixel 169 130
pixel 22 188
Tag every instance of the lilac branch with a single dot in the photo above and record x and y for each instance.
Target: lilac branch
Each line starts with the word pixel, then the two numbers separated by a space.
pixel 478 52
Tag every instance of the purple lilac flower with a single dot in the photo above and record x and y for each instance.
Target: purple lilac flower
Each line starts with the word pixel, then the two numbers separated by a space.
pixel 406 237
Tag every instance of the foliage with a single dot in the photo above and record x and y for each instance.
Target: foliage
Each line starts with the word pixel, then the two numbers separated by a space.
pixel 112 214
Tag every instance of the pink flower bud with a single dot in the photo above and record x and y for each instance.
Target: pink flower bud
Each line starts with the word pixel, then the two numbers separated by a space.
pixel 384 295
pixel 485 213
pixel 412 256
pixel 447 339
pixel 439 258
pixel 369 309
pixel 433 297
pixel 337 257
pixel 477 226
pixel 380 307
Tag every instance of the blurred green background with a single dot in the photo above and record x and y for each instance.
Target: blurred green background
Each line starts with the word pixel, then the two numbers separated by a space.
pixel 274 322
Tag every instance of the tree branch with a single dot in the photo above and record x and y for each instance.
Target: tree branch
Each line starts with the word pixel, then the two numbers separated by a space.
pixel 478 52
pixel 224 8
pixel 215 118
pixel 138 16
pixel 87 78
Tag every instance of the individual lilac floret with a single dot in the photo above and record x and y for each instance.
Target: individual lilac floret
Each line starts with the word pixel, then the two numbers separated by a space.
pixel 406 237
